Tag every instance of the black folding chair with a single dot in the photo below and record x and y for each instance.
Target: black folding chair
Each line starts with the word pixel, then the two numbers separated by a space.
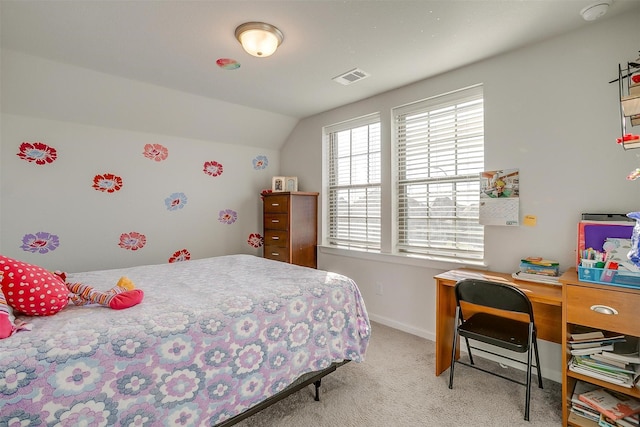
pixel 495 329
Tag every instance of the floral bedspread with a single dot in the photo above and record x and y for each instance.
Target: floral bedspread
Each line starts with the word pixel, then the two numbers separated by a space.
pixel 212 338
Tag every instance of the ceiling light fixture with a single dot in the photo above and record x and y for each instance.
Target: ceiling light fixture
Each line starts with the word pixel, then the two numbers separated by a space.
pixel 595 11
pixel 258 38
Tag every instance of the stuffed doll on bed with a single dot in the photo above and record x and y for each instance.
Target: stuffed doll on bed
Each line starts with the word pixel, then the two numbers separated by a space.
pixel 34 291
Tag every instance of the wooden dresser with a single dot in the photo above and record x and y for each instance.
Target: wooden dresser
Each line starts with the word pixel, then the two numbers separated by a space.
pixel 592 307
pixel 290 221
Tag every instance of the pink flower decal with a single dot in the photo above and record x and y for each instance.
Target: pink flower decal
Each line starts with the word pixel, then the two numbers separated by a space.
pixel 157 152
pixel 213 168
pixel 255 240
pixel 228 216
pixel 108 182
pixel 181 255
pixel 37 152
pixel 132 241
pixel 228 64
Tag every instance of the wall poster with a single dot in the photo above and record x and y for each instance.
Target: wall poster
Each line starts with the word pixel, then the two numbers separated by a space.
pixel 500 197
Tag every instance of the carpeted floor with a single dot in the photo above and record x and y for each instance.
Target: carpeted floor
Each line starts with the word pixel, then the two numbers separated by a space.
pixel 396 386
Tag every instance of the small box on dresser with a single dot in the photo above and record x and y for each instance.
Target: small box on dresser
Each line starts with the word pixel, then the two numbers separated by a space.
pixel 290 222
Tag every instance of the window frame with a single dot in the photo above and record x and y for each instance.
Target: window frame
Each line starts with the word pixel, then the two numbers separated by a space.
pixel 454 248
pixel 331 236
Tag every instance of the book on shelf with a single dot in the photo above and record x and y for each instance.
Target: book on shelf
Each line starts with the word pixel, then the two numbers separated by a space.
pixel 600 338
pixel 604 421
pixel 613 405
pixel 591 350
pixel 627 351
pixel 586 336
pixel 588 360
pixel 631 421
pixel 619 363
pixel 595 344
pixel 580 408
pixel 621 379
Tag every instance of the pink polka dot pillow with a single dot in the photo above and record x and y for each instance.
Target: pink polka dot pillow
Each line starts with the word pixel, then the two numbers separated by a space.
pixel 30 289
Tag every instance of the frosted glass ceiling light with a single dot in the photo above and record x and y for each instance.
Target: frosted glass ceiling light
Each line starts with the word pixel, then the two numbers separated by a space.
pixel 258 38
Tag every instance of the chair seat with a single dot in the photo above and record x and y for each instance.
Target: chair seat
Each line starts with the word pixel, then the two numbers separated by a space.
pixel 498 331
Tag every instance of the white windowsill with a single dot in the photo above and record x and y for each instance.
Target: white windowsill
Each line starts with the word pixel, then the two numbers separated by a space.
pixel 413 260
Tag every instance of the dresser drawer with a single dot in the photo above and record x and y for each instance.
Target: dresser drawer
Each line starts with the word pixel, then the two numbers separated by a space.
pixel 276 221
pixel 279 238
pixel 276 204
pixel 276 253
pixel 589 307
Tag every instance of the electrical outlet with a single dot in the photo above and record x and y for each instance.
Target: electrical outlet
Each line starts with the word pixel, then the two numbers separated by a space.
pixel 378 288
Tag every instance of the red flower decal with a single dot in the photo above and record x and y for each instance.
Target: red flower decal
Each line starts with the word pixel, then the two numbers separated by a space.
pixel 37 153
pixel 181 255
pixel 255 240
pixel 265 191
pixel 132 241
pixel 157 152
pixel 108 182
pixel 213 168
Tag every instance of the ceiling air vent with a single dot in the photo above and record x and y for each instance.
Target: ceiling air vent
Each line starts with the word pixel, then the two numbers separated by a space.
pixel 351 76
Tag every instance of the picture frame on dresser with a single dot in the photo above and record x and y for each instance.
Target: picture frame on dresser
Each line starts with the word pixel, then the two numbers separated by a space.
pixel 291 183
pixel 278 184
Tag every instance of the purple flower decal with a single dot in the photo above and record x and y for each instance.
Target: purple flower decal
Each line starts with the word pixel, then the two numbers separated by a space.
pixel 228 216
pixel 260 162
pixel 41 242
pixel 175 201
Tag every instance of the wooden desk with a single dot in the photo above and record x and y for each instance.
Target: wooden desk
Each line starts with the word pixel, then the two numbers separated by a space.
pixel 545 299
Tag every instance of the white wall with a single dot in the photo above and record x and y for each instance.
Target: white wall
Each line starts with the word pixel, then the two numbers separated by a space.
pixel 551 113
pixel 100 124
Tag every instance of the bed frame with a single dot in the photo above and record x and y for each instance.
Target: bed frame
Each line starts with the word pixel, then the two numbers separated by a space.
pixel 314 378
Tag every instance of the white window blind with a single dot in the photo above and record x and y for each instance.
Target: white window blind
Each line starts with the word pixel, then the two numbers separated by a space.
pixel 354 183
pixel 440 154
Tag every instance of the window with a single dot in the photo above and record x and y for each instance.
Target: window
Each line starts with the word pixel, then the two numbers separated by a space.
pixel 440 154
pixel 354 183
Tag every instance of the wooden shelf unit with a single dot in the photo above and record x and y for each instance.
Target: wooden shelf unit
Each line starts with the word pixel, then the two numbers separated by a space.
pixel 578 298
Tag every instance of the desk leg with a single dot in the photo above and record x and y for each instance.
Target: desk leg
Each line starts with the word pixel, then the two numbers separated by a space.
pixel 445 316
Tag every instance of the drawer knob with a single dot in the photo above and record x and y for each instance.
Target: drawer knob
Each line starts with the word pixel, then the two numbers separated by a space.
pixel 603 309
pixel 275 204
pixel 275 253
pixel 275 238
pixel 275 220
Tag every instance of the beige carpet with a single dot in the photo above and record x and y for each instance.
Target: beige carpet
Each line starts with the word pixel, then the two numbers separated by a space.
pixel 396 386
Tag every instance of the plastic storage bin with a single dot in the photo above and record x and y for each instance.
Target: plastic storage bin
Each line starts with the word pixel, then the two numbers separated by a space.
pixel 602 276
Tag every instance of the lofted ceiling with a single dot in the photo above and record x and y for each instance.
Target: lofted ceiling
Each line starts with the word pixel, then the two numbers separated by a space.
pixel 175 44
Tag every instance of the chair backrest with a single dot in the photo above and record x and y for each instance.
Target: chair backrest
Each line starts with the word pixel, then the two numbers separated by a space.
pixel 496 295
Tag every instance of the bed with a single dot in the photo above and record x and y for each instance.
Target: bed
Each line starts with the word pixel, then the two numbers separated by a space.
pixel 212 339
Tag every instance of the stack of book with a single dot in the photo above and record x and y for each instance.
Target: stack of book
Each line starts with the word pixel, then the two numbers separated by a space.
pixel 605 407
pixel 537 269
pixel 614 359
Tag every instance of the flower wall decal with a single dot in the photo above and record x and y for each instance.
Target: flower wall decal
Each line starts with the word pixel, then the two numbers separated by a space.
pixel 157 152
pixel 227 216
pixel 255 240
pixel 260 162
pixel 108 183
pixel 40 242
pixel 175 201
pixel 181 255
pixel 213 168
pixel 132 241
pixel 37 152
